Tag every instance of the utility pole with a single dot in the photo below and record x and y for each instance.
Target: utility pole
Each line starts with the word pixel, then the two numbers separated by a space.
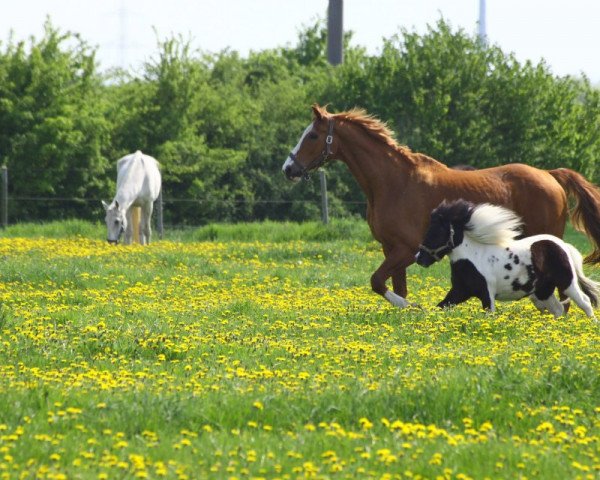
pixel 335 56
pixel 482 28
pixel 335 32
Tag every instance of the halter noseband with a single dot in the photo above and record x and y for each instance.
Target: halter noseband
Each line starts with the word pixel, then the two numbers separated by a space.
pixel 435 252
pixel 320 160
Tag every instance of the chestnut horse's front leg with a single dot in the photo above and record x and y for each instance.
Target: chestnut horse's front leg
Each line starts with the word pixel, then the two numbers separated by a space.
pixel 399 282
pixel 394 265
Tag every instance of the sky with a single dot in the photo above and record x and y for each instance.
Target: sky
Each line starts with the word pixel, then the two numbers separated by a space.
pixel 566 34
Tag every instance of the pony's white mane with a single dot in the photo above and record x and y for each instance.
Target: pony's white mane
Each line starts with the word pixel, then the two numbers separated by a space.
pixel 493 225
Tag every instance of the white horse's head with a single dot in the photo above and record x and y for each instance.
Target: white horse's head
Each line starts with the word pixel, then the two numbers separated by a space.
pixel 116 221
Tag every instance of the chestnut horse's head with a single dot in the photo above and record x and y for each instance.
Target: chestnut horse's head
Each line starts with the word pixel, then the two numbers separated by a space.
pixel 314 147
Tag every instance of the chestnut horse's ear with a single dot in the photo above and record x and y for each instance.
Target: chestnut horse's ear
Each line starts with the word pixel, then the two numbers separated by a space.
pixel 318 111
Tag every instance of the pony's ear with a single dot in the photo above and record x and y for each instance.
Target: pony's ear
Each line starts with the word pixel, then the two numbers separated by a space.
pixel 116 205
pixel 105 205
pixel 318 111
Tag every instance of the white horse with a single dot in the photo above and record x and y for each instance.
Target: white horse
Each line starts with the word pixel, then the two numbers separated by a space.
pixel 489 262
pixel 138 185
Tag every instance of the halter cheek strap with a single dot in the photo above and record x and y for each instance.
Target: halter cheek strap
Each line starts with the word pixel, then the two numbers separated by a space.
pixel 438 253
pixel 321 159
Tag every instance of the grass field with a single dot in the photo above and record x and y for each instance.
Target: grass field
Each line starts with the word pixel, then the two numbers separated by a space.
pixel 259 351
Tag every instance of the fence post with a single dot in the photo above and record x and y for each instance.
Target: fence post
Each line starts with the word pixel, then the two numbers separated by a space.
pixel 159 215
pixel 136 215
pixel 4 207
pixel 324 202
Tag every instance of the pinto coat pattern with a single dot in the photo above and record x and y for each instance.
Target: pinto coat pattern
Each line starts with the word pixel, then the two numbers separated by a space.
pixel 488 262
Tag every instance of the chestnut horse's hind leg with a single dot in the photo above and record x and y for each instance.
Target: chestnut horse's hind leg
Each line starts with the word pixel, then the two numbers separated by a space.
pixel 394 266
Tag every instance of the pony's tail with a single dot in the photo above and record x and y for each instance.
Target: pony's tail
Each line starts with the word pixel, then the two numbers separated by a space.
pixel 586 214
pixel 589 286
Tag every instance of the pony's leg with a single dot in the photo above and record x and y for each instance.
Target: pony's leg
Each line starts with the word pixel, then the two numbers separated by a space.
pixel 487 296
pixel 551 304
pixel 565 300
pixel 395 262
pixel 539 304
pixel 454 297
pixel 488 302
pixel 580 298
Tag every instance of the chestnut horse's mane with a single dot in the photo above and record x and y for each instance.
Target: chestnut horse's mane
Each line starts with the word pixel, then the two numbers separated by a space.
pixel 374 127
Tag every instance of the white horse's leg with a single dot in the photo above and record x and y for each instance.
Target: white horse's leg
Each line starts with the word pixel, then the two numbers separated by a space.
pixel 129 229
pixel 141 226
pixel 145 223
pixel 580 298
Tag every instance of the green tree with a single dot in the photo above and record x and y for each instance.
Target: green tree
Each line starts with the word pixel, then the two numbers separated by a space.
pixel 221 125
pixel 52 128
pixel 452 97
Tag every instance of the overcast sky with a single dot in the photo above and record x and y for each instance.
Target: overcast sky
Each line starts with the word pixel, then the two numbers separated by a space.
pixel 565 33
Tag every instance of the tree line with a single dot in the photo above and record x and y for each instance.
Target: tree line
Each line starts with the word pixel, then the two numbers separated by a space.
pixel 221 125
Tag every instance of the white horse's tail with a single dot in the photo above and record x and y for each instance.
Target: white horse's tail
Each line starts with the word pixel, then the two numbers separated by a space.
pixel 589 286
pixel 493 225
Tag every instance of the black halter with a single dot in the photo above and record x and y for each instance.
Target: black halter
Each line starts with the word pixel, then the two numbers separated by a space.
pixel 443 250
pixel 321 159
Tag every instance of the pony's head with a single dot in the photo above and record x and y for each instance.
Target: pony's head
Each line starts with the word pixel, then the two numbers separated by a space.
pixel 116 221
pixel 446 231
pixel 451 221
pixel 314 147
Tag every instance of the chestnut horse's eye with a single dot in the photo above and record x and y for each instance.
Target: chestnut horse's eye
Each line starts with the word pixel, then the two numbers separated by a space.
pixel 313 136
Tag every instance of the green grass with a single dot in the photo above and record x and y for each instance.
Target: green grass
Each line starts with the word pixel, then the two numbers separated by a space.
pixel 259 351
pixel 243 232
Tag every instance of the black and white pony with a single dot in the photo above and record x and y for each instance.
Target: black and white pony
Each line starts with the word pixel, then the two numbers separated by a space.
pixel 488 262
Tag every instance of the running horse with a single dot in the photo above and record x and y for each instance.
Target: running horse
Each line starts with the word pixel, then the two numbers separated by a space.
pixel 402 187
pixel 487 260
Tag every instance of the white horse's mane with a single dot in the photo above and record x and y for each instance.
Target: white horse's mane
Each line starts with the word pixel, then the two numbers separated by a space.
pixel 493 225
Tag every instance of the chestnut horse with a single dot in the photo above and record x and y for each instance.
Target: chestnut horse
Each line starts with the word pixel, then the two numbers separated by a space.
pixel 403 187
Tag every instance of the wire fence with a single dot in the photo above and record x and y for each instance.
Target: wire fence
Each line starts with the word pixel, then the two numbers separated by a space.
pixel 170 211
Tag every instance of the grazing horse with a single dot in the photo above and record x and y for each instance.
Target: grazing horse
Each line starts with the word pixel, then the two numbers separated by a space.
pixel 488 262
pixel 403 187
pixel 138 185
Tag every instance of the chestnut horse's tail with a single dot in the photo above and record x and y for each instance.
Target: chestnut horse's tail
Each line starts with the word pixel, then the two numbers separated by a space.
pixel 586 214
